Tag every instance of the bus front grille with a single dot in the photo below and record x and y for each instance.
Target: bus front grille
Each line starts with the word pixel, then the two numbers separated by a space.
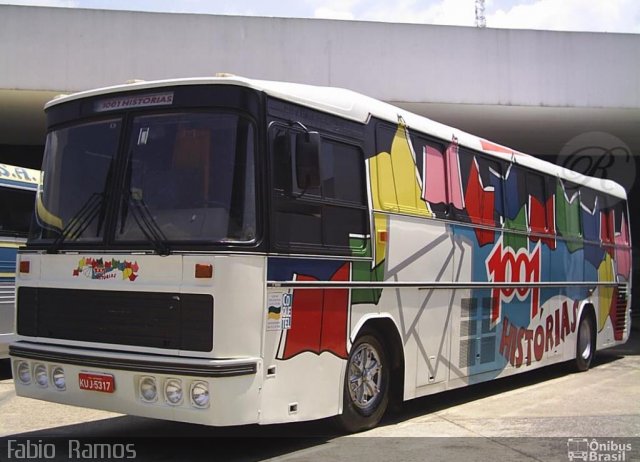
pixel 144 319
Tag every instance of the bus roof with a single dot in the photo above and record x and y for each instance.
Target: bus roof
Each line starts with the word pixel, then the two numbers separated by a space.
pixel 360 108
pixel 13 176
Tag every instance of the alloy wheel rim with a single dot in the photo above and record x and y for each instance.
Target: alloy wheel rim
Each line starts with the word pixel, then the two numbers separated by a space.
pixel 365 376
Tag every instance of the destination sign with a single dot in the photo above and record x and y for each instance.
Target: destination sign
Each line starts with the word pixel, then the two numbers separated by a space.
pixel 127 102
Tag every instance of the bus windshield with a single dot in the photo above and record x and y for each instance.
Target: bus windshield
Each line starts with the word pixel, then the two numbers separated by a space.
pixel 183 177
pixel 76 165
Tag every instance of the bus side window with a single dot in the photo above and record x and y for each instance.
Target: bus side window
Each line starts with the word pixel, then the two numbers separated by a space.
pixel 341 173
pixel 620 223
pixel 590 205
pixel 482 185
pixel 568 221
pixel 282 162
pixel 431 164
pixel 323 215
pixel 308 160
pixel 615 222
pixel 539 206
pixel 395 172
pixel 382 180
pixel 550 184
pixel 517 210
pixel 607 226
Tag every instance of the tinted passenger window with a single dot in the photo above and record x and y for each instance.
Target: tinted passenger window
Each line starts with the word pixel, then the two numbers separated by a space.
pixel 567 209
pixel 516 197
pixel 395 173
pixel 590 204
pixel 483 190
pixel 319 219
pixel 341 172
pixel 539 206
pixel 431 163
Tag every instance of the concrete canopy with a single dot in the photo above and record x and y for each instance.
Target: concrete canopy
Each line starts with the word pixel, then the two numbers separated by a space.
pixel 531 90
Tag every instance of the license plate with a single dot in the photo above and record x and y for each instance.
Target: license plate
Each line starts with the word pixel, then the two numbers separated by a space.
pixel 97 382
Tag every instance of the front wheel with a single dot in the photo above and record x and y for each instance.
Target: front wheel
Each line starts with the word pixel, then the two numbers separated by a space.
pixel 366 385
pixel 586 344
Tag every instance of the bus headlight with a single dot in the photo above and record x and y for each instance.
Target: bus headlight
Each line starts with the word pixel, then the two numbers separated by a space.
pixel 148 389
pixel 40 373
pixel 24 372
pixel 200 394
pixel 57 377
pixel 173 391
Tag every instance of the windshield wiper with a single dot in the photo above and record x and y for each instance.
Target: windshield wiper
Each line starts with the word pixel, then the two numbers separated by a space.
pixel 80 221
pixel 141 214
pixel 148 225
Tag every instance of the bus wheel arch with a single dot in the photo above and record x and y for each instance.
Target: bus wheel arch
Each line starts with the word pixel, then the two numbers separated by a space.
pixel 585 338
pixel 379 339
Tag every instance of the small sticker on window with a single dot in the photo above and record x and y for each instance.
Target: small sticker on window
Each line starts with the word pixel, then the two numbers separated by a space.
pixel 143 136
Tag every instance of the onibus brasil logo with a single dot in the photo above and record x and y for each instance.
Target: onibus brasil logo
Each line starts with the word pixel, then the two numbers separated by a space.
pixel 593 450
pixel 98 268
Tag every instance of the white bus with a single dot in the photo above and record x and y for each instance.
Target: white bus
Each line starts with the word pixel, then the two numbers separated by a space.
pixel 229 251
pixel 17 198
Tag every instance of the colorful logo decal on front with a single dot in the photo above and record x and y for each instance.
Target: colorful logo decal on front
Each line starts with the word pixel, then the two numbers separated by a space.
pixel 98 268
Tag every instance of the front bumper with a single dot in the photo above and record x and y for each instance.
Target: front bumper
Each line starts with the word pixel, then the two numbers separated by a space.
pixel 233 384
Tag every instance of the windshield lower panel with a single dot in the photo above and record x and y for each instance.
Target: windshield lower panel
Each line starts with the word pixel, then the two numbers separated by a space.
pixel 189 177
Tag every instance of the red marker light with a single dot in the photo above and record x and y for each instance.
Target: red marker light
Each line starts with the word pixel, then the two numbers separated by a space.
pixel 204 271
pixel 25 267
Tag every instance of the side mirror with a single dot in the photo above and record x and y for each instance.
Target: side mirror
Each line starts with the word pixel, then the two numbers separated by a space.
pixel 308 160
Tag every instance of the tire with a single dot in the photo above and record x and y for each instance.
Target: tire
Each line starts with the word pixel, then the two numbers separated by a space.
pixel 366 385
pixel 585 343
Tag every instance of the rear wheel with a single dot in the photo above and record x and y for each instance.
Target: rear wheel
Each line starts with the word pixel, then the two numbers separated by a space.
pixel 586 343
pixel 366 385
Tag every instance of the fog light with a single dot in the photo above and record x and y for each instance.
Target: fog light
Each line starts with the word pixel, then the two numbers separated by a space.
pixel 40 373
pixel 200 394
pixel 148 390
pixel 24 372
pixel 173 391
pixel 57 377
